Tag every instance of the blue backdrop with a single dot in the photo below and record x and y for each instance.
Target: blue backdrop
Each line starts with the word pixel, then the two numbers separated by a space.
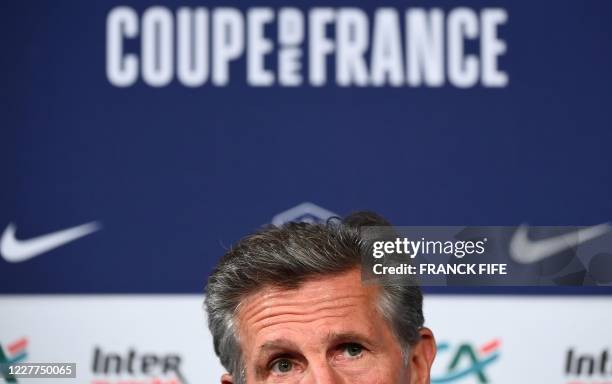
pixel 176 174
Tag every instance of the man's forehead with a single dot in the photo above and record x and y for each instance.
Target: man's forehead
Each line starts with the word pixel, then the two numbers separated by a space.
pixel 340 295
pixel 341 286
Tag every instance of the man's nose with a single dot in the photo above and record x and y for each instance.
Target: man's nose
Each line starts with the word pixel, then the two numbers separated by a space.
pixel 323 373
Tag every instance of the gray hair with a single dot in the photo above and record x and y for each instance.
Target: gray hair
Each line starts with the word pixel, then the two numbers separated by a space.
pixel 287 256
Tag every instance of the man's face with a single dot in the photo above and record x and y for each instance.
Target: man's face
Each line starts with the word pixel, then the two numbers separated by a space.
pixel 327 331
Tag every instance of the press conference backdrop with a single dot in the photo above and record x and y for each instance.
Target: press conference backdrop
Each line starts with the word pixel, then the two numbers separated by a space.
pixel 139 141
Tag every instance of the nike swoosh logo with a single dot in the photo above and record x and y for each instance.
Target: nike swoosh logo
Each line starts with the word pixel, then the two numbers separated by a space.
pixel 526 251
pixel 14 250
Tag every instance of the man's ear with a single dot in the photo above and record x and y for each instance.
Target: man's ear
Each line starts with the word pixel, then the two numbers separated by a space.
pixel 227 379
pixel 422 355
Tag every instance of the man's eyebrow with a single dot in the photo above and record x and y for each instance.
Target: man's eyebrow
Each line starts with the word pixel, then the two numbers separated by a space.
pixel 350 336
pixel 277 344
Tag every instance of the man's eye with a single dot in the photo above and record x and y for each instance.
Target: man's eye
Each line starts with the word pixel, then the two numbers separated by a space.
pixel 282 366
pixel 353 349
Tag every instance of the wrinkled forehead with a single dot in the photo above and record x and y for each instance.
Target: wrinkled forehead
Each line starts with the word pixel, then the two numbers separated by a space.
pixel 335 303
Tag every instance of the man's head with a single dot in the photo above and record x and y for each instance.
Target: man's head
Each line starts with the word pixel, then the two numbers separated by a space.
pixel 286 305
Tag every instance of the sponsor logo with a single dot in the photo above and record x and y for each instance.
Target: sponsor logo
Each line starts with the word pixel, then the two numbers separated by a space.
pixel 466 361
pixel 13 353
pixel 136 368
pixel 15 250
pixel 305 212
pixel 588 368
pixel 526 251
